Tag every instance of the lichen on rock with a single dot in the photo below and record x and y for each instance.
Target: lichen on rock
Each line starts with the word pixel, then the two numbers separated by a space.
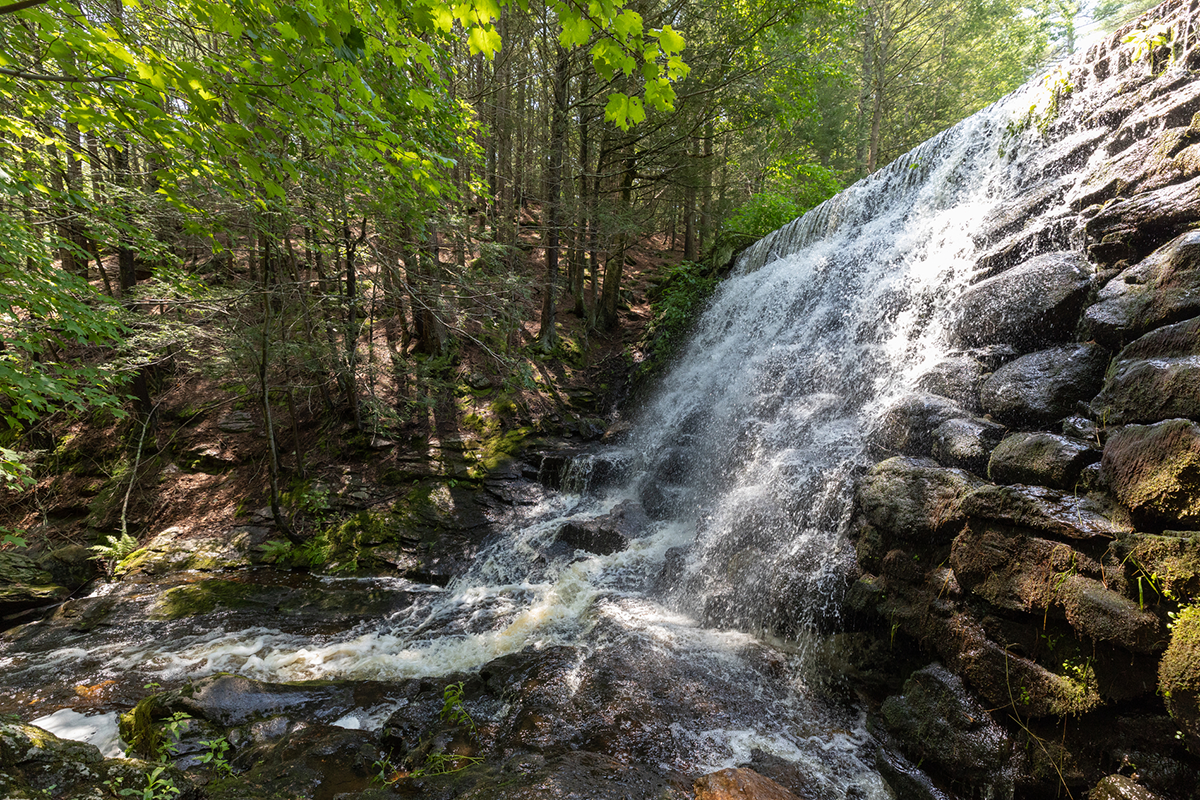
pixel 1155 471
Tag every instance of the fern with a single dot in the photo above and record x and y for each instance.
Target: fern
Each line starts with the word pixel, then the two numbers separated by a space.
pixel 117 547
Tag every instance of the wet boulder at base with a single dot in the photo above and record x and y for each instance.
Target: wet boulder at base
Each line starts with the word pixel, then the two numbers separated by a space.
pixel 609 532
pixel 1042 387
pixel 939 725
pixel 908 425
pixel 1030 306
pixel 1155 471
pixel 957 378
pixel 1155 378
pixel 1162 288
pixel 1041 458
pixel 1121 787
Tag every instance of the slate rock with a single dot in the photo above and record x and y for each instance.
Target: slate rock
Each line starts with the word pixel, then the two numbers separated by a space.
pixel 1029 306
pixel 1149 159
pixel 1161 289
pixel 237 422
pixel 1155 471
pixel 1148 220
pixel 1040 235
pixel 1045 459
pixel 966 443
pixel 1045 386
pixel 1155 378
pixel 25 584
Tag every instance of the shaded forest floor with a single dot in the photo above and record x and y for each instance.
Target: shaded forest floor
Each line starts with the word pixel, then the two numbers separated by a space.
pixel 201 464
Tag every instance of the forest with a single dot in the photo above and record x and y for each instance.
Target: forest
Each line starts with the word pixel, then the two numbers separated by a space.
pixel 333 207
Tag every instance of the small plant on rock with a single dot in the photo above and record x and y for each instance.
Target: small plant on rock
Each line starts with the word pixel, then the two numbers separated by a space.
pixel 216 756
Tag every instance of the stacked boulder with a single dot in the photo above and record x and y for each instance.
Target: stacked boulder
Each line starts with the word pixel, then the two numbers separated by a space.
pixel 1033 521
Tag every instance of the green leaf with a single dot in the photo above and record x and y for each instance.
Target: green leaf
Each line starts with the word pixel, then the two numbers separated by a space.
pixel 484 40
pixel 575 31
pixel 420 99
pixel 617 110
pixel 628 24
pixel 669 40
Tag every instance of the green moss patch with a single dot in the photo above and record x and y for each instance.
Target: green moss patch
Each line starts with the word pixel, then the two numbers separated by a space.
pixel 204 598
pixel 1179 672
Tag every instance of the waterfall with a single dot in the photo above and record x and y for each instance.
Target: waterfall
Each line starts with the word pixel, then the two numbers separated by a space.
pixel 756 434
pixel 744 462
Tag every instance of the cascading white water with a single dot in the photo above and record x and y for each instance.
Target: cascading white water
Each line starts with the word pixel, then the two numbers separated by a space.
pixel 745 457
pixel 757 432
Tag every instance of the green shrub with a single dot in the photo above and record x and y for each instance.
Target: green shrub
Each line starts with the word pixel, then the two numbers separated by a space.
pixel 761 214
pixel 684 294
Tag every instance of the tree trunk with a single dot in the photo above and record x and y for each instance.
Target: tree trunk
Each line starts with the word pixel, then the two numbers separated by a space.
pixel 689 203
pixel 558 144
pixel 611 299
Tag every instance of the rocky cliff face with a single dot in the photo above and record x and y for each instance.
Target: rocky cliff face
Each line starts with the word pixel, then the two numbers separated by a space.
pixel 1033 522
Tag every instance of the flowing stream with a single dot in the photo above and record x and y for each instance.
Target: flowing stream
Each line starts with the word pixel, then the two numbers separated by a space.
pixel 745 459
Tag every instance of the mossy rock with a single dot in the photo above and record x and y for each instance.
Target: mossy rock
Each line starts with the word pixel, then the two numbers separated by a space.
pixel 24 584
pixel 1155 471
pixel 1162 567
pixel 1179 673
pixel 497 450
pixel 204 597
pixel 72 565
pixel 35 763
pixel 915 498
pixel 174 551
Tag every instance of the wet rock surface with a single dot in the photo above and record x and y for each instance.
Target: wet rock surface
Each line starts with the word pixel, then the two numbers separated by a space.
pixel 909 425
pixel 1155 471
pixel 1039 458
pixel 966 443
pixel 915 497
pixel 35 763
pixel 1046 386
pixel 1030 306
pixel 1161 289
pixel 1155 378
pixel 943 726
pixel 1054 590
